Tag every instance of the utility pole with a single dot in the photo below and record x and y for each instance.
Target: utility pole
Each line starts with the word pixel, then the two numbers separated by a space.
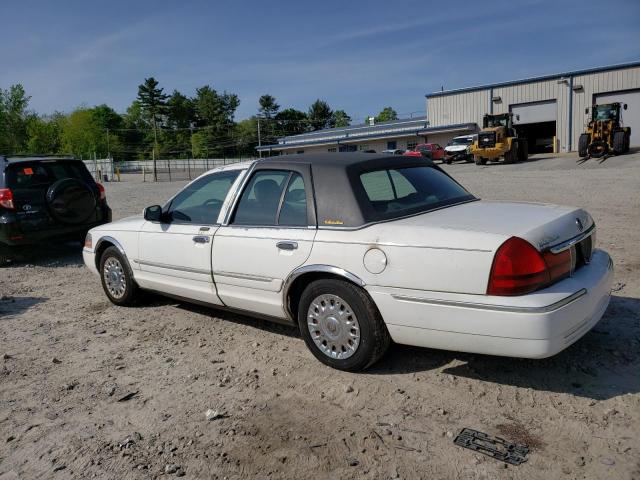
pixel 155 146
pixel 259 140
pixel 108 149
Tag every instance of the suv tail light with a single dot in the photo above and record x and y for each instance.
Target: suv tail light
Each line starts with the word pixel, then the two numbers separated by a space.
pixel 103 193
pixel 518 268
pixel 6 198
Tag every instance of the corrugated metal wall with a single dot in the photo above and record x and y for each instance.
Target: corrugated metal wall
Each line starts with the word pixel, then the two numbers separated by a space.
pixel 455 109
pixel 603 82
pixel 471 106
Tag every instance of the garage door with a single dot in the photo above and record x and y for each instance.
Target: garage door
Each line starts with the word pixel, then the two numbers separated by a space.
pixel 630 116
pixel 535 112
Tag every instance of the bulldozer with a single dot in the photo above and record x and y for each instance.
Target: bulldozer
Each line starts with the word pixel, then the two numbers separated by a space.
pixel 498 139
pixel 604 132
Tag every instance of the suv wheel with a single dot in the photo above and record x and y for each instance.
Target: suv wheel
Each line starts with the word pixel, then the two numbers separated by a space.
pixel 341 325
pixel 117 280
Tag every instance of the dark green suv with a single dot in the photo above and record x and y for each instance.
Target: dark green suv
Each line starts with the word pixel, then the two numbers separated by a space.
pixel 44 199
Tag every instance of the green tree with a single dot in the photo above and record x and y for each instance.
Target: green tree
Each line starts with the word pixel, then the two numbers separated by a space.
pixel 44 133
pixel 320 115
pixel 387 114
pixel 268 106
pixel 291 122
pixel 341 119
pixel 214 114
pixel 82 135
pixel 181 117
pixel 153 102
pixel 13 119
pixel 246 137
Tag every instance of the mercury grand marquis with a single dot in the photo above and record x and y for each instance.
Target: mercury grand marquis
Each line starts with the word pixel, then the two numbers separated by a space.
pixel 358 250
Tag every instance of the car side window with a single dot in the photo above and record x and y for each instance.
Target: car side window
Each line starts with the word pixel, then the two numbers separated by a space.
pixel 261 198
pixel 273 197
pixel 200 202
pixel 294 206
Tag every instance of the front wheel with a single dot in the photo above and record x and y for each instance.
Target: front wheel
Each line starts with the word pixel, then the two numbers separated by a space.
pixel 341 325
pixel 480 160
pixel 117 281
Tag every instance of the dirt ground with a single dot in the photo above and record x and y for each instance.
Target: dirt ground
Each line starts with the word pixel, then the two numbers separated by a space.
pixel 91 390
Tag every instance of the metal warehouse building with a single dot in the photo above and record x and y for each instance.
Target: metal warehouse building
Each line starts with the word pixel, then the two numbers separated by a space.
pixel 546 108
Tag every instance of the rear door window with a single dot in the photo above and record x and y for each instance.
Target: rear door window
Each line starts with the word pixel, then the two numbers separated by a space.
pixel 38 175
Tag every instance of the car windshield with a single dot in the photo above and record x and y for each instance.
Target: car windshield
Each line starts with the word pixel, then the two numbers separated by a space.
pixel 461 141
pixel 397 192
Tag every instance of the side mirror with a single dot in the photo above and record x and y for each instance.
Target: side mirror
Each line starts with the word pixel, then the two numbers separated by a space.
pixel 153 213
pixel 624 106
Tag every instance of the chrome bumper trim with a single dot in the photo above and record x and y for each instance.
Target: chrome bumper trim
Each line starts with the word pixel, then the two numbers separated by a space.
pixel 561 247
pixel 497 308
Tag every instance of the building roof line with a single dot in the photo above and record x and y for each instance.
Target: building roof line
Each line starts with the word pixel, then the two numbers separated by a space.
pixel 337 130
pixel 373 136
pixel 573 73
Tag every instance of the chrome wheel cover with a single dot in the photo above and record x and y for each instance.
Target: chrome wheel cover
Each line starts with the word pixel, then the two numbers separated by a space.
pixel 333 326
pixel 114 277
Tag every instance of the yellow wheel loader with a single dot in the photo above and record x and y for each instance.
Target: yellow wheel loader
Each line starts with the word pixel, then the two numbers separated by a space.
pixel 604 132
pixel 498 139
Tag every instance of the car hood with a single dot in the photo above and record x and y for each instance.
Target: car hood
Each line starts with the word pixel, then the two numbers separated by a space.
pixel 456 148
pixel 132 223
pixel 485 225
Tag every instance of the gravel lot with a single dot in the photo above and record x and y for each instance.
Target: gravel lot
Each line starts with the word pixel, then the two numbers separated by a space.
pixel 92 390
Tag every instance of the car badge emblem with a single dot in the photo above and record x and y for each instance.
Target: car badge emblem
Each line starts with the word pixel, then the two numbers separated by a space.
pixel 579 224
pixel 26 207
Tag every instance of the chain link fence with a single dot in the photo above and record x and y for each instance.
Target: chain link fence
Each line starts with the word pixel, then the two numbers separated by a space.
pixel 163 170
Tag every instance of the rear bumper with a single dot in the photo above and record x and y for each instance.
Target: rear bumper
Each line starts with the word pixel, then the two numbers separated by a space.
pixel 537 325
pixel 11 233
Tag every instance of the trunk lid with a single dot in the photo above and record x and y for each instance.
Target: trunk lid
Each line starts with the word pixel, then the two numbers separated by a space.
pixel 485 225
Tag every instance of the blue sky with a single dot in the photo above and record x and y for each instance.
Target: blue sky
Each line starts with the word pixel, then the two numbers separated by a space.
pixel 359 56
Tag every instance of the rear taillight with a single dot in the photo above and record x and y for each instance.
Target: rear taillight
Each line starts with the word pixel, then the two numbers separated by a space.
pixel 103 193
pixel 6 198
pixel 518 268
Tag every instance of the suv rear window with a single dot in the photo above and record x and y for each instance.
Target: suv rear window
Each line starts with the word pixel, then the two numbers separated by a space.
pixel 37 175
pixel 397 192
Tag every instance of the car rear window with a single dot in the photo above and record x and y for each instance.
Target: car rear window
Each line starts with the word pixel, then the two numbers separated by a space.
pixel 397 192
pixel 36 175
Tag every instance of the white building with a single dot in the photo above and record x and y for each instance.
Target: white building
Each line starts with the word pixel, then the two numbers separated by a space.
pixel 548 106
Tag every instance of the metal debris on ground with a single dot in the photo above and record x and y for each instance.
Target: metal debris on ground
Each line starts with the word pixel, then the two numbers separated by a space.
pixel 496 447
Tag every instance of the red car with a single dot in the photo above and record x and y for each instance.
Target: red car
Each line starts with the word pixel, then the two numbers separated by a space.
pixel 431 150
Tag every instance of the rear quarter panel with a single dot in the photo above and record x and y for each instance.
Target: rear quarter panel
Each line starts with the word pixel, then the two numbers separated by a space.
pixel 413 261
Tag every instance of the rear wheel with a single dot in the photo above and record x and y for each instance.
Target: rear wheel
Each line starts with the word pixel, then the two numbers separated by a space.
pixel 583 145
pixel 619 141
pixel 627 142
pixel 341 325
pixel 523 150
pixel 117 281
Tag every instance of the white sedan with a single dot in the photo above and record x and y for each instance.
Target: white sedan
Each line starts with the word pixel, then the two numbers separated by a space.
pixel 361 249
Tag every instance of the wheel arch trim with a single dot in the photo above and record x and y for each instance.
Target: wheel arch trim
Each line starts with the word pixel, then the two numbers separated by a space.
pixel 116 244
pixel 316 268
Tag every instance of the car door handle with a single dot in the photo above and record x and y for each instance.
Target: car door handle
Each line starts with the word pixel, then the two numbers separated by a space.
pixel 201 239
pixel 287 245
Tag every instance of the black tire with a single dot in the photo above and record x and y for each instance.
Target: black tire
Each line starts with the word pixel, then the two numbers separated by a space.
pixel 480 160
pixel 619 141
pixel 598 148
pixel 129 294
pixel 511 154
pixel 374 338
pixel 627 143
pixel 448 161
pixel 71 201
pixel 523 150
pixel 583 145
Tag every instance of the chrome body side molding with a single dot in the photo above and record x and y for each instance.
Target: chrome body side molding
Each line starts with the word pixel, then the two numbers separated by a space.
pixel 243 276
pixel 172 267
